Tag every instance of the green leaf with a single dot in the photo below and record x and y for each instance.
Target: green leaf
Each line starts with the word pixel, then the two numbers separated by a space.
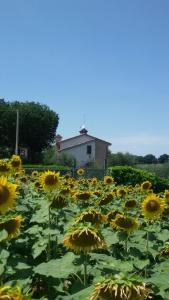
pixel 110 237
pixel 3 235
pixel 57 268
pixel 163 235
pixel 83 294
pixel 22 266
pixel 1 269
pixel 141 264
pixel 109 262
pixel 39 246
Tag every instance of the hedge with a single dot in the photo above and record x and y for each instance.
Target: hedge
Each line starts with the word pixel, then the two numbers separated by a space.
pixel 132 176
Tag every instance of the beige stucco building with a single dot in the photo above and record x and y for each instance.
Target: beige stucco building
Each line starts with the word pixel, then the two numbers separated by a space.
pixel 86 149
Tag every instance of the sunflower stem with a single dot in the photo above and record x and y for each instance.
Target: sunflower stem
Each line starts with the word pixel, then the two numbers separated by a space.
pixel 147 242
pixel 49 240
pixel 126 244
pixel 85 270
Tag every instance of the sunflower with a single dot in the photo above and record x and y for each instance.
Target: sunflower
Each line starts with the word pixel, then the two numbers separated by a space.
pixel 111 215
pixel 92 216
pixel 82 195
pixel 12 293
pixel 37 185
pixel 84 238
pixel 49 180
pixel 24 179
pixel 129 204
pixel 124 223
pixel 67 176
pixel 97 193
pixel 166 195
pixel 8 194
pixel 80 172
pixel 15 162
pixel 64 191
pixel 108 179
pixel 107 198
pixel 165 250
pixel 35 174
pixel 58 202
pixel 121 192
pixel 152 207
pixel 94 181
pixel 120 288
pixel 12 226
pixel 146 185
pixel 4 167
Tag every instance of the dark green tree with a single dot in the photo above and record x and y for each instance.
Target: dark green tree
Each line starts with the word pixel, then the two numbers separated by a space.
pixel 121 159
pixel 37 126
pixel 150 159
pixel 163 158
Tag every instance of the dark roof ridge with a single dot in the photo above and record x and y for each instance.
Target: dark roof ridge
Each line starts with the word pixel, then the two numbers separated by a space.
pixel 93 138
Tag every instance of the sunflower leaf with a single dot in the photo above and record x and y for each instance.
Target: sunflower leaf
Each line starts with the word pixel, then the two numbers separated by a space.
pixel 3 235
pixel 57 268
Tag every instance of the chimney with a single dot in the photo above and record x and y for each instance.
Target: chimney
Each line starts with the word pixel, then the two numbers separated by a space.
pixel 83 130
pixel 58 139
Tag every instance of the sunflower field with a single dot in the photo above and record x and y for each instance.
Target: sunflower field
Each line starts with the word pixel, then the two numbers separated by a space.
pixel 81 239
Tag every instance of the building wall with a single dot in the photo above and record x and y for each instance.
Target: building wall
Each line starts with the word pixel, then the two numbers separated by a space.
pixel 101 154
pixel 74 141
pixel 80 153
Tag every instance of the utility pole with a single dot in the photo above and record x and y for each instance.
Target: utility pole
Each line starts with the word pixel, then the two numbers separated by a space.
pixel 17 131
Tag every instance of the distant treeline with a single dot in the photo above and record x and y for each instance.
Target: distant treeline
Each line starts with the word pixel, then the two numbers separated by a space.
pixel 122 159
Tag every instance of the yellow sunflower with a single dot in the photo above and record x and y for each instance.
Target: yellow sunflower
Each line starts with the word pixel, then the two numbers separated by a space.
pixel 111 215
pixel 129 204
pixel 107 198
pixel 35 174
pixel 24 179
pixel 37 185
pixel 67 176
pixel 12 226
pixel 124 223
pixel 4 167
pixel 121 192
pixel 12 293
pixel 15 162
pixel 94 181
pixel 8 194
pixel 166 195
pixel 108 179
pixel 64 190
pixel 82 195
pixel 120 289
pixel 49 180
pixel 165 250
pixel 152 207
pixel 92 216
pixel 84 238
pixel 80 172
pixel 146 185
pixel 58 202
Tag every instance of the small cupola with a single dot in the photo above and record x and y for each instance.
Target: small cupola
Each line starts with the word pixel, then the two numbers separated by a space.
pixel 83 130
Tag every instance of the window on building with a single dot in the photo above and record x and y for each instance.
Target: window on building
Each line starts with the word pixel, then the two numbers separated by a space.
pixel 89 149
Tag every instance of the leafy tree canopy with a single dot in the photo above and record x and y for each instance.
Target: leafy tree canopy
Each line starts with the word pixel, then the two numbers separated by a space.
pixel 163 158
pixel 37 126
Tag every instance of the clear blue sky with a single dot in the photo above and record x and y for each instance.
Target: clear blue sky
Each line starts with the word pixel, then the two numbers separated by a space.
pixel 105 59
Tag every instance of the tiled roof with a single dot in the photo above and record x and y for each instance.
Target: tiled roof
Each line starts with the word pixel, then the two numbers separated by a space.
pixel 78 140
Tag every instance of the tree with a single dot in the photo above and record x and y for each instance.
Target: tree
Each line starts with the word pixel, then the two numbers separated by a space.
pixel 37 126
pixel 163 158
pixel 150 159
pixel 121 159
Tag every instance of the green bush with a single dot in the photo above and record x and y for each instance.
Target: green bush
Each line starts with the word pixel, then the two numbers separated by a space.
pixel 161 170
pixel 128 175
